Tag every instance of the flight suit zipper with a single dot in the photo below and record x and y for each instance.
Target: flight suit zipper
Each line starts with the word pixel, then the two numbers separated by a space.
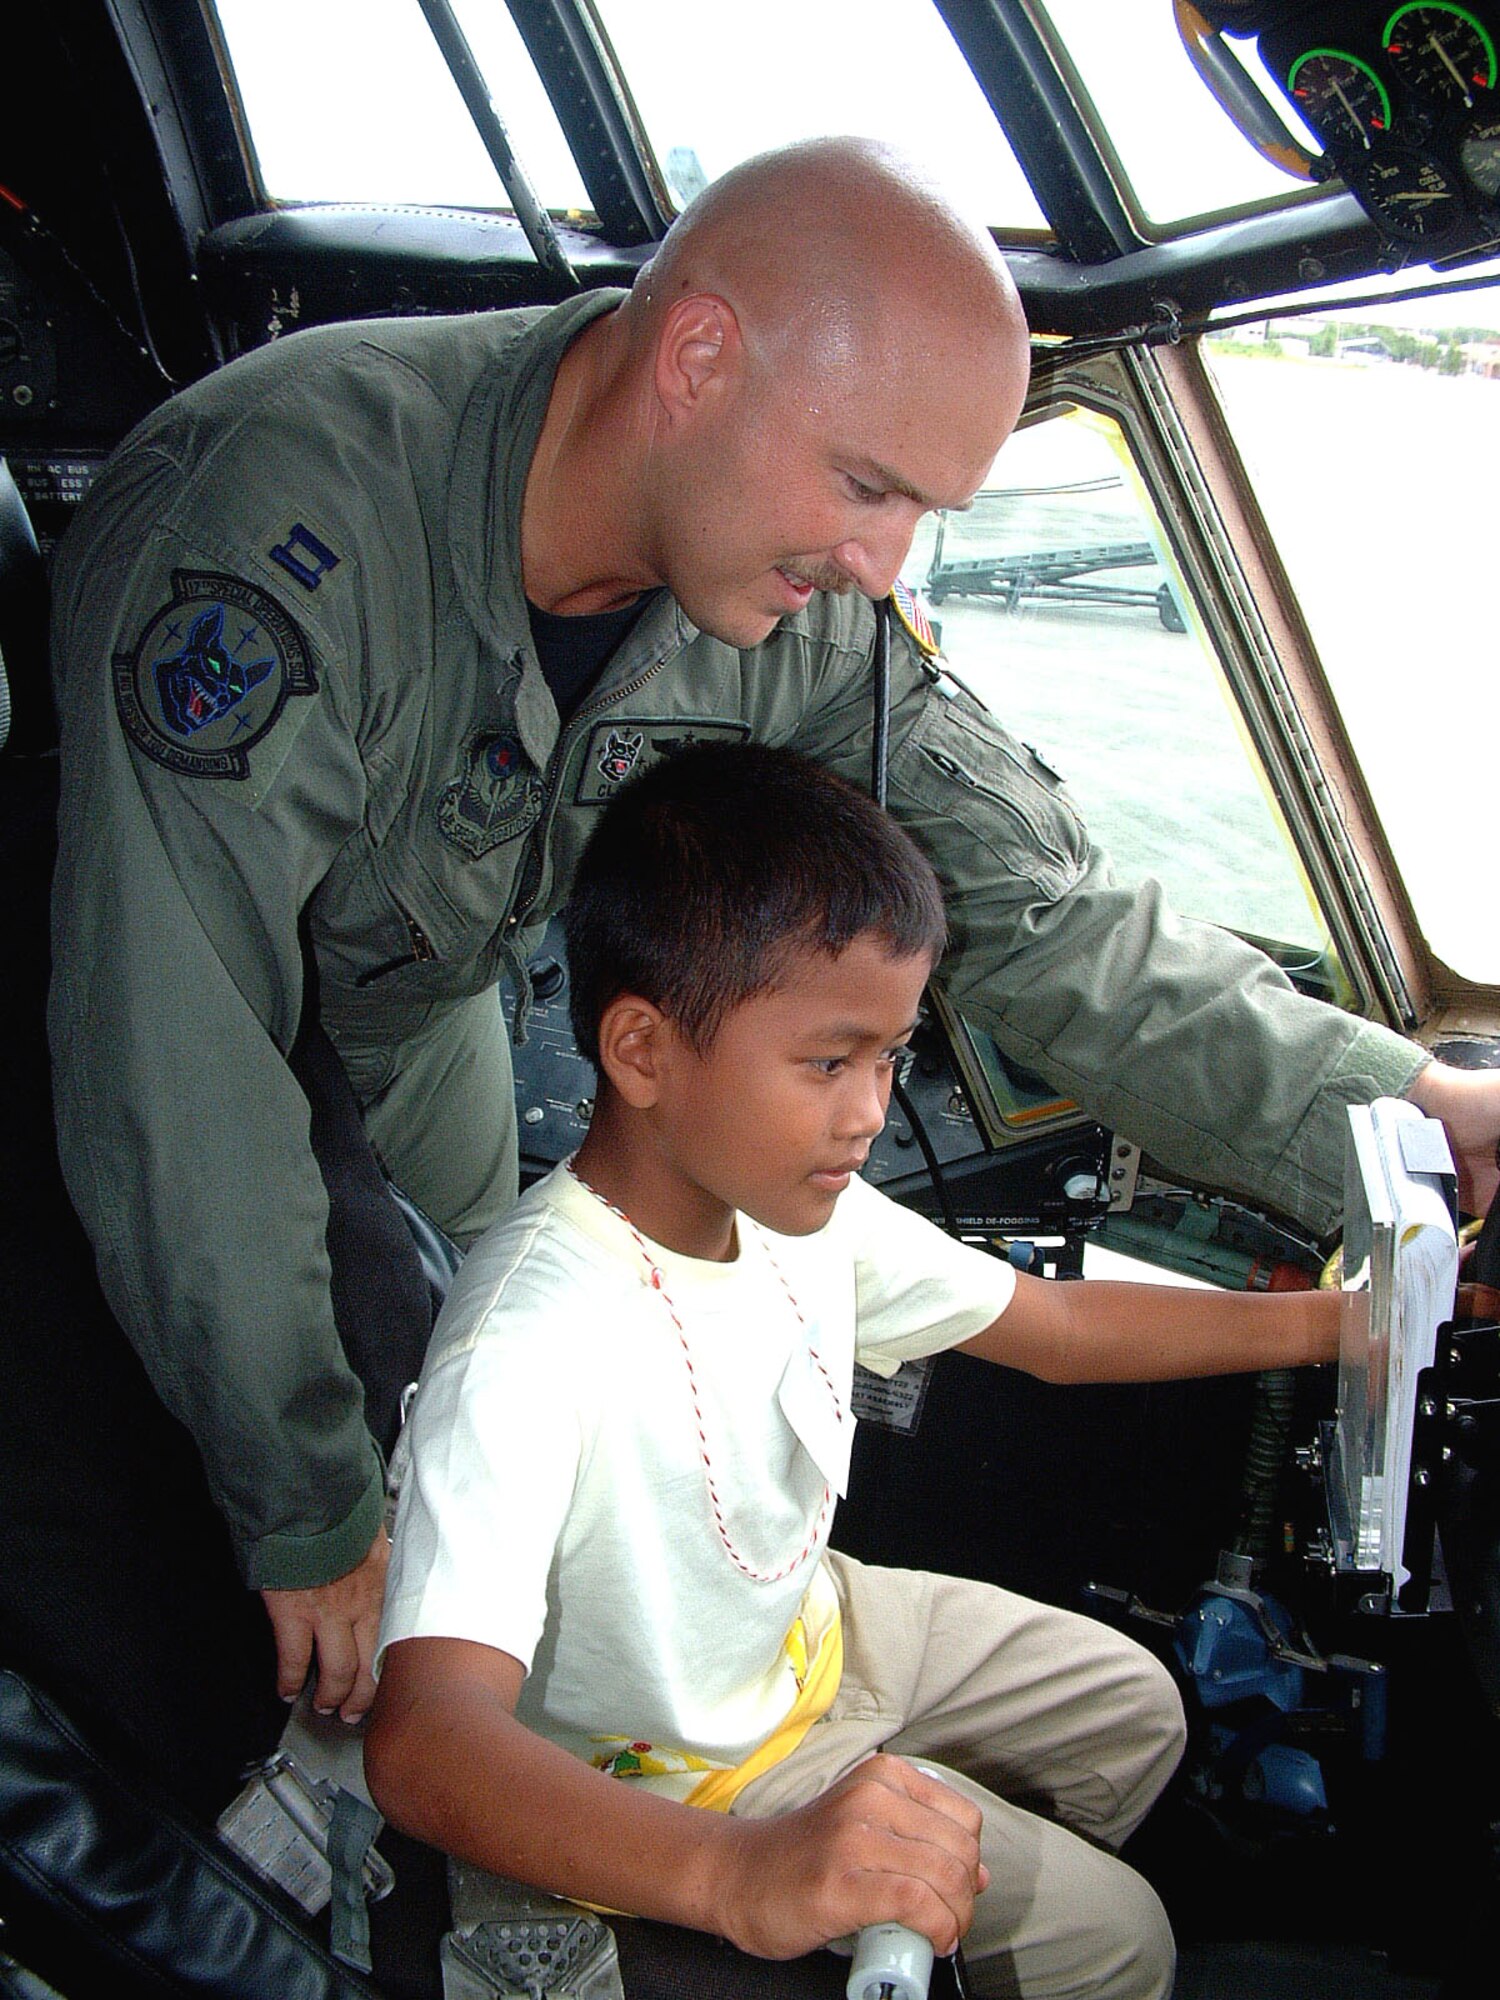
pixel 523 900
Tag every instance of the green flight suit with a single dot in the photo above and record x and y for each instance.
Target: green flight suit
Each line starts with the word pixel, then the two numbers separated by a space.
pixel 297 687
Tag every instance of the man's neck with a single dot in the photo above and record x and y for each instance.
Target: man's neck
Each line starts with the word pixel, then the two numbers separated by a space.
pixel 579 519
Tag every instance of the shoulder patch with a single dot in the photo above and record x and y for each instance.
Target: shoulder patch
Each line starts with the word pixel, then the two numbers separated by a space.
pixel 913 620
pixel 210 675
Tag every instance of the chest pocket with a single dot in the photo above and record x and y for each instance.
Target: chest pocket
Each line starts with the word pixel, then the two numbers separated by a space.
pixel 391 936
pixel 961 766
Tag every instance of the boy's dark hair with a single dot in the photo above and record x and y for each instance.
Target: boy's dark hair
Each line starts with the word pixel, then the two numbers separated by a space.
pixel 709 871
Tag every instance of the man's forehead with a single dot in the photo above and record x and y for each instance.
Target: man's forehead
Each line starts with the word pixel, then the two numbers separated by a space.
pixel 930 434
pixel 919 424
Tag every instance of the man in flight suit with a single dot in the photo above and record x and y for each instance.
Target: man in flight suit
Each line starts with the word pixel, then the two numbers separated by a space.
pixel 354 639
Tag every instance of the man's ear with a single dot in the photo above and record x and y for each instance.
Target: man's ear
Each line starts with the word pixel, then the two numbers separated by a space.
pixel 697 353
pixel 635 1040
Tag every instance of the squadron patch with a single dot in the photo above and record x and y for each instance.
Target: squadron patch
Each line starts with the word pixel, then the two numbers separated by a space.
pixel 496 797
pixel 616 749
pixel 210 675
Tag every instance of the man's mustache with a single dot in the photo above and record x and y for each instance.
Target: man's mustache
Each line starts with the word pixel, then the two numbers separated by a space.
pixel 822 576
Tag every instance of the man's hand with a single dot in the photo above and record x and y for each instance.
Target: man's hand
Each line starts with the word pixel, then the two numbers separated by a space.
pixel 1468 1102
pixel 340 1620
pixel 887 1845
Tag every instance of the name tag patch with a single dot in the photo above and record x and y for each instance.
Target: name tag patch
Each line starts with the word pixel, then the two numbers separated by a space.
pixel 617 750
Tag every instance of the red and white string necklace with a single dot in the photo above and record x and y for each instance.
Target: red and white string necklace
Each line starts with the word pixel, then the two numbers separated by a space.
pixel 658 1284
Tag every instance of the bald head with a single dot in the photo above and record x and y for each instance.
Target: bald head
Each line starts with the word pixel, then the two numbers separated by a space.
pixel 840 257
pixel 822 351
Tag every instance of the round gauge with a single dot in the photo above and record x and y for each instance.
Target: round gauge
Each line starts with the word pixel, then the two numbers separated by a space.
pixel 1410 196
pixel 1441 52
pixel 1479 154
pixel 1340 97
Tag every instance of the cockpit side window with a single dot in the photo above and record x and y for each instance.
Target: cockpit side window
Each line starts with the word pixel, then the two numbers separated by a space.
pixel 1062 605
pixel 1370 435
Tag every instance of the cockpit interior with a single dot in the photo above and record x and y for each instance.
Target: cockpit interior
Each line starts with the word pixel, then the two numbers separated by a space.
pixel 1223 579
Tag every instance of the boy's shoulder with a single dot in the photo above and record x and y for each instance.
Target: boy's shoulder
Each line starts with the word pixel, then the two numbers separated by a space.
pixel 870 1226
pixel 539 1266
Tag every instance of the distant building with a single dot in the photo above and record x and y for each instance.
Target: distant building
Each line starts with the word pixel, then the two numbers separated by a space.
pixel 1363 347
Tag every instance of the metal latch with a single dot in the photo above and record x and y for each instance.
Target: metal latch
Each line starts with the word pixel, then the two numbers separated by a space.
pixel 279 1823
pixel 509 1942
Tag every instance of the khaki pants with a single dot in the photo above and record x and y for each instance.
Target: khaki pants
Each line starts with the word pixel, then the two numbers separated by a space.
pixel 1059 1729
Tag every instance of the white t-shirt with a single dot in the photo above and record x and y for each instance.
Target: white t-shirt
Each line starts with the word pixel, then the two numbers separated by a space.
pixel 627 1485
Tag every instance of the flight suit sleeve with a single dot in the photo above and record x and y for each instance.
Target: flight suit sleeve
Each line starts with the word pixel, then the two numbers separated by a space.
pixel 209 773
pixel 1173 1033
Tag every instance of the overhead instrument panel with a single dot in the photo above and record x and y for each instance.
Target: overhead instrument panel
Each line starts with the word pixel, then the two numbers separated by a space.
pixel 1401 95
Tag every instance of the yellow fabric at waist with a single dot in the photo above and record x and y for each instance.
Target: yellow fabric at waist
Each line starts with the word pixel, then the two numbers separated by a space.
pixel 819 1679
pixel 719 1790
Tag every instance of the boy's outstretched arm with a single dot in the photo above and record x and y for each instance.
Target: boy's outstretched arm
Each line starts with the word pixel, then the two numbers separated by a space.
pixel 447 1761
pixel 1103 1331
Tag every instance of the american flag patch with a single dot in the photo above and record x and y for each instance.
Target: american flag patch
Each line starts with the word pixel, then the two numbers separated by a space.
pixel 908 608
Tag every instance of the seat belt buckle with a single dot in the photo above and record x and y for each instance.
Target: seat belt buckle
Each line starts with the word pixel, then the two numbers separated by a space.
pixel 279 1824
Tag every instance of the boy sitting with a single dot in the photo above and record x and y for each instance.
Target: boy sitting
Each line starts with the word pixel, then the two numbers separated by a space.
pixel 611 1596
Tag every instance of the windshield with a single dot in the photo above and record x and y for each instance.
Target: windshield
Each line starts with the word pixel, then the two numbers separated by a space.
pixel 350 100
pixel 1181 156
pixel 751 78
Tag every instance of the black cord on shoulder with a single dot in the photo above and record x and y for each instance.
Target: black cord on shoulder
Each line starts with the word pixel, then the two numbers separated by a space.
pixel 881 742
